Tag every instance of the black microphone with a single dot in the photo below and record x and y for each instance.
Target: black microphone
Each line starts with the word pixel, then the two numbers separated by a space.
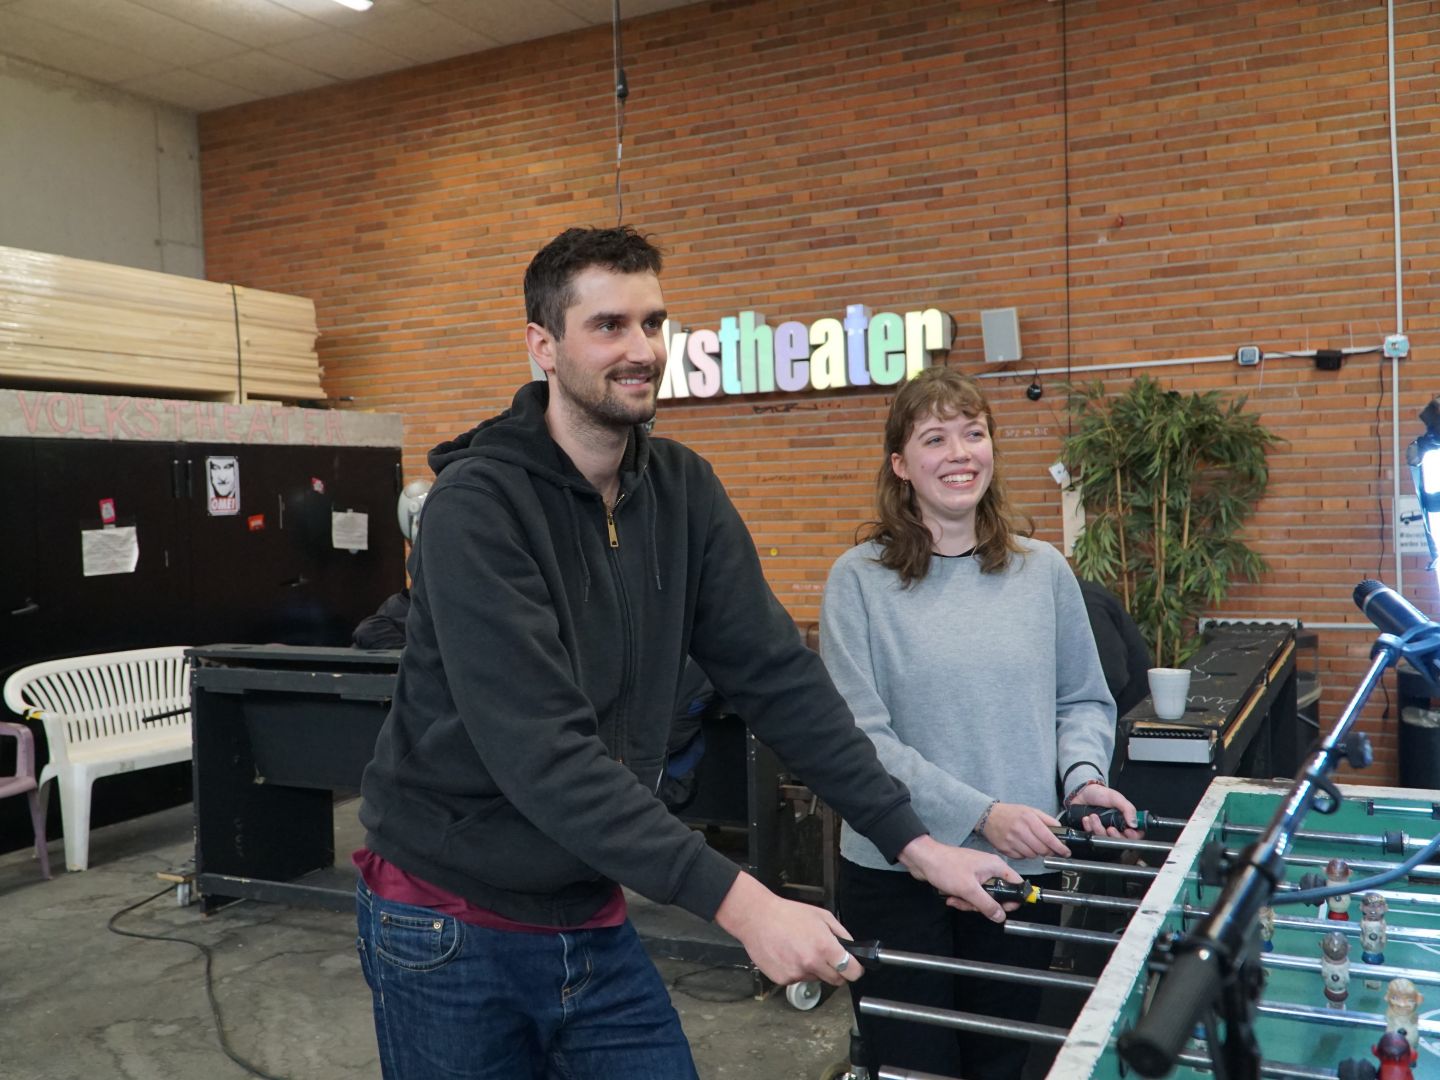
pixel 1393 614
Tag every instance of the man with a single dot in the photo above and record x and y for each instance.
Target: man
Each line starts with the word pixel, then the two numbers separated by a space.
pixel 569 563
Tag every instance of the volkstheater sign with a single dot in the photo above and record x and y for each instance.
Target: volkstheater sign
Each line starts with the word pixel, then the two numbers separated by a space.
pixel 747 356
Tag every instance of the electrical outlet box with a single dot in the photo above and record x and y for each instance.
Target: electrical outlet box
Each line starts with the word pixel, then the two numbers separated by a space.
pixel 1397 346
pixel 1247 355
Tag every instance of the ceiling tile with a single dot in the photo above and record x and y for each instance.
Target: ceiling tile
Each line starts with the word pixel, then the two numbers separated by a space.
pixel 130 26
pixel 600 12
pixel 188 88
pixel 251 22
pixel 340 54
pixel 511 22
pixel 422 35
pixel 327 11
pixel 77 54
pixel 266 74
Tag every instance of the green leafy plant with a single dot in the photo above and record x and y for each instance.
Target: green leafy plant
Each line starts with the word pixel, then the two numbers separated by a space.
pixel 1167 481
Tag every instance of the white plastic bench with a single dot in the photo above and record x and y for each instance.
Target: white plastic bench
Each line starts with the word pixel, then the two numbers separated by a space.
pixel 95 709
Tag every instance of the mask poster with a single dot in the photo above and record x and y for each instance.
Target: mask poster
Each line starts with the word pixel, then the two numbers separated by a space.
pixel 222 486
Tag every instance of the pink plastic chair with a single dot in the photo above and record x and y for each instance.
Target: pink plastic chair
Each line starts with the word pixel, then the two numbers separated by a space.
pixel 23 782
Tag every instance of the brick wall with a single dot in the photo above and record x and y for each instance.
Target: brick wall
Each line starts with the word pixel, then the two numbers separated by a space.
pixel 1228 177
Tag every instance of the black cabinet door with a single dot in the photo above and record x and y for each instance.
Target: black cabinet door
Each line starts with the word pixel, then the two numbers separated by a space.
pixel 353 583
pixel 22 634
pixel 91 599
pixel 271 572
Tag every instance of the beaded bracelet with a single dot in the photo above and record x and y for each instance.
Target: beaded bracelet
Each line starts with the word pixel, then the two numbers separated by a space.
pixel 1070 799
pixel 979 829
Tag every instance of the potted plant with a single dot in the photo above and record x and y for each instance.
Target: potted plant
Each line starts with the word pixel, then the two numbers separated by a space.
pixel 1167 481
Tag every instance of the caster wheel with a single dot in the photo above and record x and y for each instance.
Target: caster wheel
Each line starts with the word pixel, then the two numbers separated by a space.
pixel 804 995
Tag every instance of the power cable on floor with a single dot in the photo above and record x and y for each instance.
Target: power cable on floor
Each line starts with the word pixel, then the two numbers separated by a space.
pixel 209 981
pixel 714 997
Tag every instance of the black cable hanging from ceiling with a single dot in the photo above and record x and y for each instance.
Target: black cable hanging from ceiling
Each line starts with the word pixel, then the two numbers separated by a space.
pixel 1065 157
pixel 622 91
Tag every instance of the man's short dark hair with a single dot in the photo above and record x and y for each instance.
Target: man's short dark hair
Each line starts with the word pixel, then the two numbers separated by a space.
pixel 550 277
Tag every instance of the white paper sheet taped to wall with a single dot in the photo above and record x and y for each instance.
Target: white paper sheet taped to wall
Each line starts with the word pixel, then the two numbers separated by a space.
pixel 109 551
pixel 350 530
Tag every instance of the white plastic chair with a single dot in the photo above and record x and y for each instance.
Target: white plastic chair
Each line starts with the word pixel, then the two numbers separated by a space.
pixel 95 711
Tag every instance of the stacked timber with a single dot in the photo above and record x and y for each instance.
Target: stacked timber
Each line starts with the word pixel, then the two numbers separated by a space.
pixel 76 322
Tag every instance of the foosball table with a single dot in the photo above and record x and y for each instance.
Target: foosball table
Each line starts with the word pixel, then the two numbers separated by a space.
pixel 1340 979
pixel 1343 978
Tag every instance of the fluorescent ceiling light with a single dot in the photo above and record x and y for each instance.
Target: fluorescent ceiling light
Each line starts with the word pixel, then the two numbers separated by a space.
pixel 358 5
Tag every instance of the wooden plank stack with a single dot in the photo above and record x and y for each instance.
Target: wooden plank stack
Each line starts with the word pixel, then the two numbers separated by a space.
pixel 80 323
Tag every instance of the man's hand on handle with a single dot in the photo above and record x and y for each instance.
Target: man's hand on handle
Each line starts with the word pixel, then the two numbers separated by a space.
pixel 960 874
pixel 788 941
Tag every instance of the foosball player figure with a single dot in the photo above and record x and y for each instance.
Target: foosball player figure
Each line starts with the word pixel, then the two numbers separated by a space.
pixel 1395 1056
pixel 1402 1008
pixel 1372 928
pixel 1337 872
pixel 1372 932
pixel 1267 929
pixel 1335 968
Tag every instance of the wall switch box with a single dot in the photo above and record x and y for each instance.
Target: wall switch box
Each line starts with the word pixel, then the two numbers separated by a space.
pixel 1247 355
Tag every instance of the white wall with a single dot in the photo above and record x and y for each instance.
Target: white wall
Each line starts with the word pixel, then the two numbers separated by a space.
pixel 93 173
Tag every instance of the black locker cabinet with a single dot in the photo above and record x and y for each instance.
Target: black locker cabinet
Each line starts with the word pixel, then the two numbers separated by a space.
pixel 268 573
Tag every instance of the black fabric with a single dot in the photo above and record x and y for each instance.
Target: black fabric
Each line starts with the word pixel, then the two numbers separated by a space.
pixel 907 915
pixel 528 732
pixel 386 628
pixel 1124 654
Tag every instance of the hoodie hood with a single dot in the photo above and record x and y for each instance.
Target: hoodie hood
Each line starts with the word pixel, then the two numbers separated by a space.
pixel 519 436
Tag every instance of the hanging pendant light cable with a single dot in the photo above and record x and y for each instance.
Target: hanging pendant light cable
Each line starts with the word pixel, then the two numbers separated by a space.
pixel 622 91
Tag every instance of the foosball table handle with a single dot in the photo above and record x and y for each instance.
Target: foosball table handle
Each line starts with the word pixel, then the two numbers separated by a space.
pixel 1192 980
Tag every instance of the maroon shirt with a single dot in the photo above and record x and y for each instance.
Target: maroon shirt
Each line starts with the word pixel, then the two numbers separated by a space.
pixel 389 882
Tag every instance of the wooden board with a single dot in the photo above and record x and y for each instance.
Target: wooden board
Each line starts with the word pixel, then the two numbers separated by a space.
pixel 68 322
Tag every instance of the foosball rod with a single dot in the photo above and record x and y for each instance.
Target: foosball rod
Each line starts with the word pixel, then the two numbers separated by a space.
pixel 1072 840
pixel 1313 1014
pixel 1350 929
pixel 1035 1033
pixel 1067 934
pixel 1394 841
pixel 1290 962
pixel 1089 866
pixel 1054 980
pixel 1192 911
pixel 1393 898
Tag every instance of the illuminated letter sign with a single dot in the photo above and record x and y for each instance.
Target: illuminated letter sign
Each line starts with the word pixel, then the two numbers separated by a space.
pixel 748 356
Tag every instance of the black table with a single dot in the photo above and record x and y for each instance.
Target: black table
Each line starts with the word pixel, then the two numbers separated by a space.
pixel 1241 720
pixel 278 730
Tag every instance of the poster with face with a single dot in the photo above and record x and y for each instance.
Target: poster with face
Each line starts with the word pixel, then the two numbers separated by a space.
pixel 222 486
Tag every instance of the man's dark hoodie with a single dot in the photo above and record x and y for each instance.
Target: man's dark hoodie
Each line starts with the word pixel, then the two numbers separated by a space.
pixel 546 638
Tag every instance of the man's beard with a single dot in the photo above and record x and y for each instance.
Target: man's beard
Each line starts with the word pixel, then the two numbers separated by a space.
pixel 606 408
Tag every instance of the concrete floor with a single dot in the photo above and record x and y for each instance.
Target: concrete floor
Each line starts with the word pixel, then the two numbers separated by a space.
pixel 77 1001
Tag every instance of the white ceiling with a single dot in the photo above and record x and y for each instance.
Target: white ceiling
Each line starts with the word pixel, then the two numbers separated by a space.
pixel 207 54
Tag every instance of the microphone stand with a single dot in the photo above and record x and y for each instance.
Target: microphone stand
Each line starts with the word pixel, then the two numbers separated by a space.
pixel 1219 964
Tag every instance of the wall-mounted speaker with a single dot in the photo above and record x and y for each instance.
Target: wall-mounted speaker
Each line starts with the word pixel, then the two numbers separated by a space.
pixel 1000 327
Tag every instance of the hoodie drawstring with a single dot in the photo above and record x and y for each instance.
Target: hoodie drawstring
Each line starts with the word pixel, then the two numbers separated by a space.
pixel 654 527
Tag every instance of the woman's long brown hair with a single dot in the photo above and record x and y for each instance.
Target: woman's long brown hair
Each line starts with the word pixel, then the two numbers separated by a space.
pixel 902 534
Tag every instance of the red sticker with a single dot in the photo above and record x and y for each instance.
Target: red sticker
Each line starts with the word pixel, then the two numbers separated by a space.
pixel 256 522
pixel 107 511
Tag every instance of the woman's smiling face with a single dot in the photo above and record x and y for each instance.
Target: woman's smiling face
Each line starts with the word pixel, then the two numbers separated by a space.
pixel 949 464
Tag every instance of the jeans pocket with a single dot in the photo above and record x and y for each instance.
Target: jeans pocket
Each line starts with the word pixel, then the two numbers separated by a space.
pixel 418 942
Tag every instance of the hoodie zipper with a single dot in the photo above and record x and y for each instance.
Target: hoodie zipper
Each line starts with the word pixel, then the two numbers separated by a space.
pixel 623 706
pixel 610 520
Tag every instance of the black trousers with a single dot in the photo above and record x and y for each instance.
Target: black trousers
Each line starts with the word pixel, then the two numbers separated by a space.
pixel 902 913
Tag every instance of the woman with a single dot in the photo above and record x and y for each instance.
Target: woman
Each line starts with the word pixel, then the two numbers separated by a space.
pixel 964 650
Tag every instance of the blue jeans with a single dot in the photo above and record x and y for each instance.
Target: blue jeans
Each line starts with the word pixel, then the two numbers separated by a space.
pixel 461 1002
